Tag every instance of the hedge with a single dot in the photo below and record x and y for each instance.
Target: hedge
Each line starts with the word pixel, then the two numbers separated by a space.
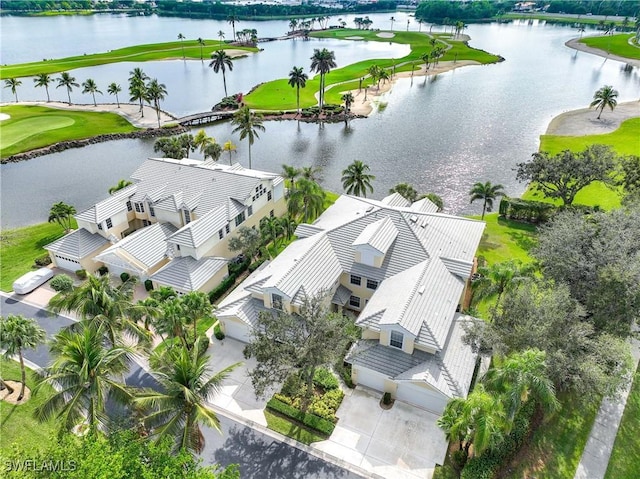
pixel 234 271
pixel 309 420
pixel 526 210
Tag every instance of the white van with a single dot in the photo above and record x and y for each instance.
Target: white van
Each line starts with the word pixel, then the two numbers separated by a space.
pixel 30 281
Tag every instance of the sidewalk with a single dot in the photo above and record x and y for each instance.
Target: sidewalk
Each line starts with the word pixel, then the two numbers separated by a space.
pixel 595 457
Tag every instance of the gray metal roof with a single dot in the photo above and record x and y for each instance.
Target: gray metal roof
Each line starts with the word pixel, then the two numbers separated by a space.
pixel 199 231
pixel 425 205
pixel 389 361
pixel 379 235
pixel 341 296
pixel 187 273
pixel 108 207
pixel 147 246
pixel 305 230
pixel 78 244
pixel 395 199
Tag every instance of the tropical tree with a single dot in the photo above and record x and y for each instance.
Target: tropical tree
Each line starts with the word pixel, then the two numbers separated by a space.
pixel 306 200
pixel 271 229
pixel 89 86
pixel 220 61
pixel 13 84
pixel 202 43
pixel 247 240
pixel 62 214
pixel 84 373
pixel 221 35
pixel 392 20
pixel 43 80
pixel 356 180
pixel 500 278
pixel 291 173
pixel 435 199
pixel 311 173
pixel 322 62
pixel 232 20
pixel 603 97
pixel 196 306
pixel 293 23
pixel 487 193
pixel 18 333
pixel 171 147
pixel 156 92
pixel 212 150
pixel 230 147
pixel 138 87
pixel 248 125
pixel 67 81
pixel 347 98
pixel 181 37
pixel 374 73
pixel 298 79
pixel 288 226
pixel 406 190
pixel 425 57
pixel 114 89
pixel 121 184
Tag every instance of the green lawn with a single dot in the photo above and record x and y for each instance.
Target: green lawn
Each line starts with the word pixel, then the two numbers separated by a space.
pixel 17 424
pixel 20 247
pixel 550 17
pixel 625 457
pixel 279 95
pixel 504 240
pixel 615 44
pixel 137 53
pixel 32 127
pixel 291 428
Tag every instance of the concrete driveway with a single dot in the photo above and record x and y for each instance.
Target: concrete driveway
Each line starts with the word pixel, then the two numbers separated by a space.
pixel 402 442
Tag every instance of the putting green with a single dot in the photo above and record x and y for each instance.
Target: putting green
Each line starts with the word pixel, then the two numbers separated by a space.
pixel 23 129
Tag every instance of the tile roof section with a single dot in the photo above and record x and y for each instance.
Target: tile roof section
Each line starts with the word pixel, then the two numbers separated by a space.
pixel 379 235
pixel 395 199
pixel 341 296
pixel 425 205
pixel 78 244
pixel 389 361
pixel 146 246
pixel 108 207
pixel 305 230
pixel 188 274
pixel 199 231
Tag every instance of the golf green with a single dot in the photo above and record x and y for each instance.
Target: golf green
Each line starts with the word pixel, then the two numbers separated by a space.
pixel 23 129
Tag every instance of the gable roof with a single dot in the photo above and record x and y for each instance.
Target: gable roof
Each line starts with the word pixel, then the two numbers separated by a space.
pixel 78 244
pixel 187 273
pixel 378 235
pixel 108 207
pixel 395 199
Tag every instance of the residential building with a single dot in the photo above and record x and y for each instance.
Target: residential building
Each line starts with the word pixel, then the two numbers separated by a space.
pixel 402 270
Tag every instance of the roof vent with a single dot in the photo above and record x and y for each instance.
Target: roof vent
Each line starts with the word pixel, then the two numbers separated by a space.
pixel 370 208
pixel 423 224
pixel 422 288
pixel 413 218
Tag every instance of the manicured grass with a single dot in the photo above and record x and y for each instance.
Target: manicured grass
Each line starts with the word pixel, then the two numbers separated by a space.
pixel 290 428
pixel 137 53
pixel 615 44
pixel 32 127
pixel 505 240
pixel 17 424
pixel 586 20
pixel 556 446
pixel 279 95
pixel 20 247
pixel 625 457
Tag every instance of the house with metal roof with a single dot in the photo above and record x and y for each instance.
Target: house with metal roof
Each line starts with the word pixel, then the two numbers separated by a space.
pixel 401 269
pixel 172 224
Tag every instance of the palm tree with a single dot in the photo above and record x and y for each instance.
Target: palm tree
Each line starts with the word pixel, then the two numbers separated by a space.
pixel 200 140
pixel 347 98
pixel 62 213
pixel 114 89
pixel 196 306
pixel 293 23
pixel 271 229
pixel 374 73
pixel 248 124
pixel 18 333
pixel 291 173
pixel 13 83
pixel 89 86
pixel 221 35
pixel 392 20
pixel 67 81
pixel 179 408
pixel 43 80
pixel 212 150
pixel 181 37
pixel 156 92
pixel 406 190
pixel 232 20
pixel 220 62
pixel 138 87
pixel 500 277
pixel 356 180
pixel 306 200
pixel 311 173
pixel 487 193
pixel 202 44
pixel 84 374
pixel 605 96
pixel 298 79
pixel 523 376
pixel 322 62
pixel 425 58
pixel 230 147
pixel 121 185
pixel 288 226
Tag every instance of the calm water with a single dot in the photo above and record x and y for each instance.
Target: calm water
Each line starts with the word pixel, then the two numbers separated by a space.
pixel 440 134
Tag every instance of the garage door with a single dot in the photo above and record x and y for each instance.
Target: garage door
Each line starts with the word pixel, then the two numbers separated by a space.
pixel 69 264
pixel 236 330
pixel 421 397
pixel 370 379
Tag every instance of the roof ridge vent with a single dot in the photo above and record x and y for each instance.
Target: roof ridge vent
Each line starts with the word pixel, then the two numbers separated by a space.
pixel 413 218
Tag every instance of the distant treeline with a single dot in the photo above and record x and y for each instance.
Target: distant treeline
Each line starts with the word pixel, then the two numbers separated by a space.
pixel 36 6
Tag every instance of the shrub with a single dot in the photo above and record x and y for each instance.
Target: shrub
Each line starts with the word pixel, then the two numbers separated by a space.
pixel 217 332
pixel 525 210
pixel 62 283
pixel 102 270
pixel 309 420
pixel 386 398
pixel 44 260
pixel 81 273
pixel 325 379
pixel 125 277
pixel 344 371
pixel 148 285
pixel 217 292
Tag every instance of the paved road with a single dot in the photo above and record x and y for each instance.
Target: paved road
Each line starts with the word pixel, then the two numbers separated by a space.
pixel 258 455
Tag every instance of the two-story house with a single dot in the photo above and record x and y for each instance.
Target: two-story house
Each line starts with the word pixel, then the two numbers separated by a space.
pixel 403 269
pixel 172 224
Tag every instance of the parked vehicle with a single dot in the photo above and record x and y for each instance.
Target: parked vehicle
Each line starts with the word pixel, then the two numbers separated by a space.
pixel 30 281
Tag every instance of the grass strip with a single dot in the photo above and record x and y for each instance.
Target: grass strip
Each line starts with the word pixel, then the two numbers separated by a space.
pixel 291 428
pixel 312 421
pixel 614 44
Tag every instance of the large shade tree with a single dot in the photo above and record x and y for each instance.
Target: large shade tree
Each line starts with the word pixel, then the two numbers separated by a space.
pixel 356 180
pixel 220 62
pixel 248 124
pixel 68 82
pixel 486 192
pixel 605 96
pixel 322 62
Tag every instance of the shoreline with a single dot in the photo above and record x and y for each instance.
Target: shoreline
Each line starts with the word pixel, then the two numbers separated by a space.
pixel 577 45
pixel 583 121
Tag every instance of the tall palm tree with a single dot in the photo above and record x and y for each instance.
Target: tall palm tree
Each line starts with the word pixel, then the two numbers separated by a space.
pixel 356 180
pixel 322 62
pixel 311 173
pixel 196 306
pixel 67 81
pixel 114 89
pixel 306 200
pixel 121 185
pixel 487 193
pixel 212 150
pixel 232 20
pixel 392 20
pixel 288 225
pixel 248 125
pixel 200 140
pixel 230 147
pixel 62 213
pixel 179 408
pixel 293 23
pixel 181 37
pixel 156 92
pixel 84 373
pixel 13 83
pixel 605 96
pixel 523 376
pixel 271 229
pixel 291 173
pixel 18 333
pixel 202 44
pixel 220 61
pixel 374 73
pixel 221 35
pixel 298 79
pixel 89 86
pixel 138 87
pixel 43 80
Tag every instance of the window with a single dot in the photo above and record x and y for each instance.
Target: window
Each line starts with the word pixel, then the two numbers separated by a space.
pixel 396 339
pixel 372 284
pixel 355 279
pixel 109 223
pixel 269 196
pixel 271 214
pixel 100 226
pixel 250 211
pixel 151 211
pixel 221 234
pixel 354 301
pixel 129 206
pixel 140 207
pixel 240 218
pixel 178 247
pixel 187 216
pixel 227 228
pixel 276 301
